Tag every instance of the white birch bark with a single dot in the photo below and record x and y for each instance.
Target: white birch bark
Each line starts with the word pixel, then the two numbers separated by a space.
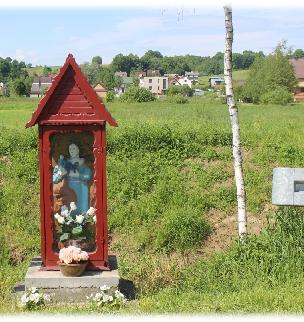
pixel 235 126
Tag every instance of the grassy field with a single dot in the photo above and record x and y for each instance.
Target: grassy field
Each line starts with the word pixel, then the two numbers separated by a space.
pixel 171 200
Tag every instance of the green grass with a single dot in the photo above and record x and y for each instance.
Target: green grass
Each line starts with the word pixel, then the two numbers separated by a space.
pixel 170 179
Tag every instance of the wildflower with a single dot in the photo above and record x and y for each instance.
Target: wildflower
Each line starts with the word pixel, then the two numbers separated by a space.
pixel 104 288
pixel 56 215
pixel 94 218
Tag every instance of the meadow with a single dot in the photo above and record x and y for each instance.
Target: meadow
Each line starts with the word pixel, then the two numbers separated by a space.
pixel 172 209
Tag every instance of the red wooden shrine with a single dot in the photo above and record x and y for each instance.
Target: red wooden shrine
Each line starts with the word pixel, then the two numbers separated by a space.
pixel 72 165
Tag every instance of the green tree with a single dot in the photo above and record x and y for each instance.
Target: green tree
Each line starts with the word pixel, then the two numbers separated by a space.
pixel 17 87
pixel 269 73
pixel 46 70
pixel 97 60
pixel 298 53
pixel 137 94
pixel 125 63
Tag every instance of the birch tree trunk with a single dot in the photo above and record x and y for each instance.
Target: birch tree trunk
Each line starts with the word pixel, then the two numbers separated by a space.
pixel 235 126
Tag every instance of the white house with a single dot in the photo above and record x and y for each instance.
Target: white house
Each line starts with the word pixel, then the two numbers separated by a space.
pixel 193 76
pixel 126 82
pixel 156 85
pixel 40 85
pixel 181 80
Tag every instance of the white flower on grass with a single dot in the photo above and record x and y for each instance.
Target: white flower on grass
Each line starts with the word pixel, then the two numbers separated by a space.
pixel 107 298
pixel 94 218
pixel 34 298
pixel 119 295
pixel 60 219
pixel 57 216
pixel 46 297
pixel 104 288
pixel 24 299
pixel 33 289
pixel 73 206
pixel 91 211
pixel 79 219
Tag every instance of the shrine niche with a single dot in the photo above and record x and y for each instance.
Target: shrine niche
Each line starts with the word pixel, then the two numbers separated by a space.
pixel 72 163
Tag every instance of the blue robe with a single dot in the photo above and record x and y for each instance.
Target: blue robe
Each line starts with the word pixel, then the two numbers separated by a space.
pixel 78 185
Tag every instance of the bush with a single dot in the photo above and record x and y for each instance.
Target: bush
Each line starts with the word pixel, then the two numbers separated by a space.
pixel 179 99
pixel 279 96
pixel 137 94
pixel 184 90
pixel 181 230
pixel 110 96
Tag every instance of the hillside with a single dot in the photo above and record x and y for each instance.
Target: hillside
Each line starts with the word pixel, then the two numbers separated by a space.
pixel 171 201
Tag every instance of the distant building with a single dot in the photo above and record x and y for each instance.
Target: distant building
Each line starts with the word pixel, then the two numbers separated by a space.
pixel 100 90
pixel 198 92
pixel 3 89
pixel 139 73
pixel 121 74
pixel 180 81
pixel 126 82
pixel 156 85
pixel 153 73
pixel 193 76
pixel 40 85
pixel 216 81
pixel 298 65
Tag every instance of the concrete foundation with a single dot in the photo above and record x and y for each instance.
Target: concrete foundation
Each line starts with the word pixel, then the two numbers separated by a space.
pixel 70 289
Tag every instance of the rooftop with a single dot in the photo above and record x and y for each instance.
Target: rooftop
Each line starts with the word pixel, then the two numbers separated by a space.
pixel 298 65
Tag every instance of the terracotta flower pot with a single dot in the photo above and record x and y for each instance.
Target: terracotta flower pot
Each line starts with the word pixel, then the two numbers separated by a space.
pixel 72 269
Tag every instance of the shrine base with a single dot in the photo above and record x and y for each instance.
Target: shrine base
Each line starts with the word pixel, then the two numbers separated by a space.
pixel 69 289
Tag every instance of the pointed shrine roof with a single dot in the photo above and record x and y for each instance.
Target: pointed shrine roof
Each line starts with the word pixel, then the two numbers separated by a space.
pixel 71 100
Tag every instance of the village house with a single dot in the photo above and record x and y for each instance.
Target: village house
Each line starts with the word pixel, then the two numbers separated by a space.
pixel 40 85
pixel 3 89
pixel 153 73
pixel 180 81
pixel 100 90
pixel 121 74
pixel 156 85
pixel 193 76
pixel 216 81
pixel 126 83
pixel 298 65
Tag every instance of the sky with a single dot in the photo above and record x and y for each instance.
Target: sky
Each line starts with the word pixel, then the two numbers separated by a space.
pixel 45 36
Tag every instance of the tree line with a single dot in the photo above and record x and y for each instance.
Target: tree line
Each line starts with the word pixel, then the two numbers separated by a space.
pixel 15 77
pixel 18 81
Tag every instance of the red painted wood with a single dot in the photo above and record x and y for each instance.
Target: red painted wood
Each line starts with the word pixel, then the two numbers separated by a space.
pixel 42 218
pixel 97 258
pixel 71 79
pixel 104 189
pixel 71 104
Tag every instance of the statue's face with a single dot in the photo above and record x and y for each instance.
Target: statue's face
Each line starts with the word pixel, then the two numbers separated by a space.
pixel 74 151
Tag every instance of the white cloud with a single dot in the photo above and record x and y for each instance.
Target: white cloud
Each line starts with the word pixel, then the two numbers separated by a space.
pixel 26 55
pixel 20 54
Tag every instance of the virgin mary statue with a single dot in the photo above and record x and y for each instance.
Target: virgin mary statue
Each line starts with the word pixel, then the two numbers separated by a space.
pixel 77 173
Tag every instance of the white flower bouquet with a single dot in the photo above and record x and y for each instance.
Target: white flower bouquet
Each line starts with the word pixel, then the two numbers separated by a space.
pixel 74 225
pixel 32 298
